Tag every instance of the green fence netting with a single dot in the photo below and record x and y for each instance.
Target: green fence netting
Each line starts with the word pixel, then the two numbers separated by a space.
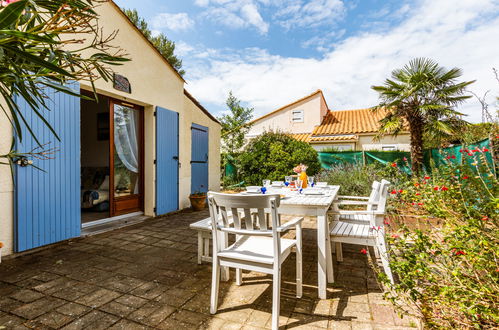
pixel 456 154
pixel 329 159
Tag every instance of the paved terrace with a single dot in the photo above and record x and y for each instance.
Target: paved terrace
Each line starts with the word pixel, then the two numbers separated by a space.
pixel 146 276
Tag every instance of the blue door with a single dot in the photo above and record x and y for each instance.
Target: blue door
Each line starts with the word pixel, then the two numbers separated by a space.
pixel 166 161
pixel 47 201
pixel 199 158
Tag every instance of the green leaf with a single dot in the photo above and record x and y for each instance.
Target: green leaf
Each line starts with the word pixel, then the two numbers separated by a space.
pixel 11 13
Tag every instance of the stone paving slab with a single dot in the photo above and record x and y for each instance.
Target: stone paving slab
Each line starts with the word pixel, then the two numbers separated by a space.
pixel 146 276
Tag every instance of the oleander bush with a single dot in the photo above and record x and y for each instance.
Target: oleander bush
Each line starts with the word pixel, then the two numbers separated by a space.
pixel 448 268
pixel 272 156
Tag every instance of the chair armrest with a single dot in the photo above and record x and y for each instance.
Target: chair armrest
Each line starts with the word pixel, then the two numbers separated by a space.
pixel 352 197
pixel 290 224
pixel 345 202
pixel 353 212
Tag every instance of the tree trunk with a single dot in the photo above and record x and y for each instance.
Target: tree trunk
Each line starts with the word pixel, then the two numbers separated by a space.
pixel 416 129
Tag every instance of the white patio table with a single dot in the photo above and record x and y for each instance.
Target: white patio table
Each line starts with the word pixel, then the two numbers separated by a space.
pixel 313 206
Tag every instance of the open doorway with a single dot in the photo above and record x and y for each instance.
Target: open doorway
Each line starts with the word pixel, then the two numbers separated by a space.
pixel 112 159
pixel 95 170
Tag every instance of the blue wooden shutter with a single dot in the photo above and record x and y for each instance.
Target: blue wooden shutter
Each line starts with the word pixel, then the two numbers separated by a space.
pixel 199 158
pixel 166 161
pixel 47 203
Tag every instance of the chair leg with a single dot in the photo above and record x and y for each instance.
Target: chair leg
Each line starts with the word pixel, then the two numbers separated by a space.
pixel 299 264
pixel 215 281
pixel 200 248
pixel 276 297
pixel 339 252
pixel 206 247
pixel 381 245
pixel 239 276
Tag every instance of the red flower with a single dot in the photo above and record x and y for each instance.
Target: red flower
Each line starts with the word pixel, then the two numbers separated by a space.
pixel 394 164
pixel 485 149
pixel 417 194
pixel 393 192
pixel 453 157
pixel 461 150
pixel 444 188
pixel 386 222
pixel 475 150
pixel 485 218
pixel 395 236
pixel 404 159
pixel 470 154
pixel 420 204
pixel 448 157
pixel 427 178
pixel 459 253
pixel 363 251
pixel 465 177
pixel 435 188
pixel 416 184
pixel 413 203
pixel 401 190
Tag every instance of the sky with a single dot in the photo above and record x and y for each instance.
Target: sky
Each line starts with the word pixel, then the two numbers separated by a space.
pixel 272 52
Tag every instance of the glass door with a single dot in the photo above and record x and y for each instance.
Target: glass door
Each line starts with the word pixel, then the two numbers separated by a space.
pixel 126 158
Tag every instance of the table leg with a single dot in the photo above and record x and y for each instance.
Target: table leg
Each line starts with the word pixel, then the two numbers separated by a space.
pixel 322 250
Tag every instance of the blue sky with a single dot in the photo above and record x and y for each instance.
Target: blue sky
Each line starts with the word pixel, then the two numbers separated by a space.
pixel 271 52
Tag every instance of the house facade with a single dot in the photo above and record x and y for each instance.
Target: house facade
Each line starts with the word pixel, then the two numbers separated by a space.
pixel 310 120
pixel 140 150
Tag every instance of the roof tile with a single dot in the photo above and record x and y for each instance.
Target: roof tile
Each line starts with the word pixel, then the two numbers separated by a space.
pixel 349 122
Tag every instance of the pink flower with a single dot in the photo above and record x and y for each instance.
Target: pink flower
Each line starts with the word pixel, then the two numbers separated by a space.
pixel 386 222
pixel 7 2
pixel 404 159
pixel 363 251
pixel 395 236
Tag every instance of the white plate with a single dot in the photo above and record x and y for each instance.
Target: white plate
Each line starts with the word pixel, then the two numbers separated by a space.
pixel 313 193
pixel 252 192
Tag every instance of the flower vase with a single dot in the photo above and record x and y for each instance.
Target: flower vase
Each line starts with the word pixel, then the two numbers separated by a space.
pixel 304 178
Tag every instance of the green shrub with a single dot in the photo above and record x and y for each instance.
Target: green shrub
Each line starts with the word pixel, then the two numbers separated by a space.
pixel 449 269
pixel 356 179
pixel 272 156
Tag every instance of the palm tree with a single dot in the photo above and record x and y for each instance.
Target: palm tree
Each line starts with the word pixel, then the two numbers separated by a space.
pixel 421 97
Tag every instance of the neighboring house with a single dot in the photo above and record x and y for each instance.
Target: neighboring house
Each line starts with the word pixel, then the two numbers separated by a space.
pixel 141 150
pixel 309 119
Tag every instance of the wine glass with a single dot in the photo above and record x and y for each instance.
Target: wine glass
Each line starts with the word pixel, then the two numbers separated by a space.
pixel 298 184
pixel 266 183
pixel 287 180
pixel 310 181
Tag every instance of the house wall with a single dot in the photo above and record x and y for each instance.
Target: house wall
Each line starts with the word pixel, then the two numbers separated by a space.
pixel 154 83
pixel 6 187
pixel 401 142
pixel 282 120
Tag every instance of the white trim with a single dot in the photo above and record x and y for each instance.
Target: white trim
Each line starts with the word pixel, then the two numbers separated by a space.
pixel 111 219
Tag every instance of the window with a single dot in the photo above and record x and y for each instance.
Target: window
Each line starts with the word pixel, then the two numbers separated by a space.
pixel 389 148
pixel 297 116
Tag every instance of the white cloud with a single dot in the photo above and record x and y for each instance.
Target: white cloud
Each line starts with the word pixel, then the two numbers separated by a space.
pixel 235 13
pixel 296 14
pixel 461 34
pixel 174 22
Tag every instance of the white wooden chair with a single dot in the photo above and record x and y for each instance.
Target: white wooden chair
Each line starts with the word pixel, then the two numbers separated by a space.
pixel 370 232
pixel 257 247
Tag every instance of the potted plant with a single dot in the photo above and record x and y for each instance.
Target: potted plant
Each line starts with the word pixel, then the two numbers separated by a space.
pixel 198 200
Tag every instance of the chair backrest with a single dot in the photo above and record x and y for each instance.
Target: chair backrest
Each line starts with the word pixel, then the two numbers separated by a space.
pixel 381 205
pixel 253 221
pixel 373 197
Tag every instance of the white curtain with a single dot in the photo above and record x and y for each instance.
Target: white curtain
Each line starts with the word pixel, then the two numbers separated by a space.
pixel 126 122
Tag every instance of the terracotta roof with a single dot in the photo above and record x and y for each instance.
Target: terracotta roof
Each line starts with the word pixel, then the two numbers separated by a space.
pixel 304 137
pixel 200 106
pixel 327 138
pixel 290 104
pixel 349 122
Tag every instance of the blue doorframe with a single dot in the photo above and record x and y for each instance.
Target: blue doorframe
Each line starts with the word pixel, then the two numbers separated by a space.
pixel 199 158
pixel 167 162
pixel 47 201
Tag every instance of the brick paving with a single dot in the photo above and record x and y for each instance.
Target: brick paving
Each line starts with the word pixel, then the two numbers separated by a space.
pixel 146 276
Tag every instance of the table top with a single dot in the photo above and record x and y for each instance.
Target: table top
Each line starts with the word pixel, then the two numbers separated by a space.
pixel 293 198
